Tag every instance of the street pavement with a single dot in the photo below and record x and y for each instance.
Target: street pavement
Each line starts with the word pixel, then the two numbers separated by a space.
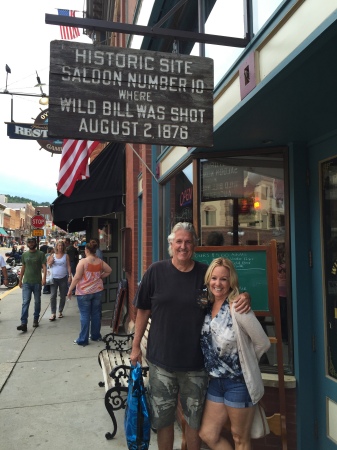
pixel 49 393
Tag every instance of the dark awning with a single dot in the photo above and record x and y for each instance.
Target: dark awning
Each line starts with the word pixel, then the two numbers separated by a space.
pixel 99 195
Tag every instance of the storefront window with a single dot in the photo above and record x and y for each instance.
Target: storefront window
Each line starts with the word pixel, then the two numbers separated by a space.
pixel 179 198
pixel 108 234
pixel 329 205
pixel 243 200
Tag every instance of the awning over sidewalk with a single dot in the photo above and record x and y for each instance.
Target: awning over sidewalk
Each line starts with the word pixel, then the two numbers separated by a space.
pixel 3 232
pixel 99 195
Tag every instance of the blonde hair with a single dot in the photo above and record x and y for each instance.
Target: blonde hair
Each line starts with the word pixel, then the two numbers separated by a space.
pixel 61 242
pixel 233 277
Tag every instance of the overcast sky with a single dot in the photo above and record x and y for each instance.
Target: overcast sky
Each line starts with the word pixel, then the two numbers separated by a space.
pixel 26 170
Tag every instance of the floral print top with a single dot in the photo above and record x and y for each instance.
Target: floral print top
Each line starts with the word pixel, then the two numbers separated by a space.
pixel 219 346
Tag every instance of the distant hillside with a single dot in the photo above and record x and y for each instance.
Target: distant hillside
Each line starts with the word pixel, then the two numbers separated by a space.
pixel 15 199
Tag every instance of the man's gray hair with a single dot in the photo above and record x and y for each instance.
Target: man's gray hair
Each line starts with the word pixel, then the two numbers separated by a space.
pixel 186 226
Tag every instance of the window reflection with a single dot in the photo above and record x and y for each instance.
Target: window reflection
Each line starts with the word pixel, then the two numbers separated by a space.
pixel 243 202
pixel 108 234
pixel 329 214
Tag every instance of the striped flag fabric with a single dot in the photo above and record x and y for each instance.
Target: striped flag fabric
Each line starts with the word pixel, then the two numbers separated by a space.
pixel 68 32
pixel 74 164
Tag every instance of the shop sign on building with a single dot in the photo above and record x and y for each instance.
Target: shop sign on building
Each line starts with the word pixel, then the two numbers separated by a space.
pixel 126 95
pixel 37 131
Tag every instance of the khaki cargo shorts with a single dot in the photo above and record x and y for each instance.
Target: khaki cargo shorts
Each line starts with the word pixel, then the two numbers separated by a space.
pixel 163 391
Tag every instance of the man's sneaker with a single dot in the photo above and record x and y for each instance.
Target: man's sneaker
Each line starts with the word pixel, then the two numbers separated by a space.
pixel 35 323
pixel 22 327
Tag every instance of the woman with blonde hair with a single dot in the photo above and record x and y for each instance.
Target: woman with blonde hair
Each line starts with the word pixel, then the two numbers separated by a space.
pixel 60 264
pixel 232 345
pixel 88 280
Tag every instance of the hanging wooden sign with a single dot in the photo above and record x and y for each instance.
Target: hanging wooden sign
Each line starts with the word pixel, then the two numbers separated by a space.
pixel 126 95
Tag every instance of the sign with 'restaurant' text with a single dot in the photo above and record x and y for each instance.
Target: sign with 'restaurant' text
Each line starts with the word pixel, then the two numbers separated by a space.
pixel 126 95
pixel 36 131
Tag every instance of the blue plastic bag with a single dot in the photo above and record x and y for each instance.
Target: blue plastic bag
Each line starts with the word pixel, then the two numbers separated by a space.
pixel 137 425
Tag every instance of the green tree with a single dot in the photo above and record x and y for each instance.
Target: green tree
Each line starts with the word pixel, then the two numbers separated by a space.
pixel 16 199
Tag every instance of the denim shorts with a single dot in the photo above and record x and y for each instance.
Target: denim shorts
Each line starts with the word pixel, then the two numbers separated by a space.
pixel 231 393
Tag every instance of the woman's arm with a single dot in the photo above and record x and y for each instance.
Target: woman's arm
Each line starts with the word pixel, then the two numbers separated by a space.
pixel 252 327
pixel 106 270
pixel 77 277
pixel 50 260
pixel 68 267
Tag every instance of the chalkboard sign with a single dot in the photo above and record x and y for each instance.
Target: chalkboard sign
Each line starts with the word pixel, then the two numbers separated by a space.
pixel 253 267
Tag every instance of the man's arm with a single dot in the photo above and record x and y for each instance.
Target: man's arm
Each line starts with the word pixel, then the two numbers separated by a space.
pixel 242 303
pixel 140 326
pixel 22 272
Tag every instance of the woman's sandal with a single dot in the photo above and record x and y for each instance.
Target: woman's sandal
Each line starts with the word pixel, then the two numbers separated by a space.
pixel 60 315
pixel 53 317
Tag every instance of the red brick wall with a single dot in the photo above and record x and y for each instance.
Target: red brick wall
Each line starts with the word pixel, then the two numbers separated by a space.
pixel 271 404
pixel 134 167
pixel 131 219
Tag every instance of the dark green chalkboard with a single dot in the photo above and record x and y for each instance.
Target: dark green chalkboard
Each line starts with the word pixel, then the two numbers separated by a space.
pixel 253 268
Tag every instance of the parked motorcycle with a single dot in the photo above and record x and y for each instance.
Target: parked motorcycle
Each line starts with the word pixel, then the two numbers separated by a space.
pixel 12 275
pixel 13 259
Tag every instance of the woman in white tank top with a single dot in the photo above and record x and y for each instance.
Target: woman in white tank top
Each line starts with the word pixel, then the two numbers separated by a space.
pixel 60 264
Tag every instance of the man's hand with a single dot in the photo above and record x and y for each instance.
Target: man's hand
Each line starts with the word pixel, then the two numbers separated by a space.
pixel 242 303
pixel 136 355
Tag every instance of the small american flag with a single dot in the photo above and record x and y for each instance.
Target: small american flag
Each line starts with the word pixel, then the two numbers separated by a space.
pixel 68 32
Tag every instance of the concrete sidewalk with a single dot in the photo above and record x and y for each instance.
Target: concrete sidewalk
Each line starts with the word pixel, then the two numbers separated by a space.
pixel 49 393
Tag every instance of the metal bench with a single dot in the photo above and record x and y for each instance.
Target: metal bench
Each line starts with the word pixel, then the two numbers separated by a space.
pixel 115 364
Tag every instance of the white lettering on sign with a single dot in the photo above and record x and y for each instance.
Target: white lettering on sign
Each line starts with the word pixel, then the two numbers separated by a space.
pixel 94 76
pixel 115 127
pixel 134 79
pixel 31 132
pixel 127 128
pixel 137 96
pixel 119 60
pixel 101 91
pixel 151 112
pixel 187 115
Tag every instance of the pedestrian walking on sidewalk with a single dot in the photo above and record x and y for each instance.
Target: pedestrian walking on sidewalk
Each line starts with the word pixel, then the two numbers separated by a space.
pixel 88 280
pixel 46 287
pixel 60 265
pixel 31 282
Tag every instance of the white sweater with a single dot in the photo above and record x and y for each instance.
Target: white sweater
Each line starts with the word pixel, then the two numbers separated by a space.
pixel 252 343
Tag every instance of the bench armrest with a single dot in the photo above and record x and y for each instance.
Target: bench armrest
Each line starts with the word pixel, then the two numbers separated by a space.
pixel 123 372
pixel 119 342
